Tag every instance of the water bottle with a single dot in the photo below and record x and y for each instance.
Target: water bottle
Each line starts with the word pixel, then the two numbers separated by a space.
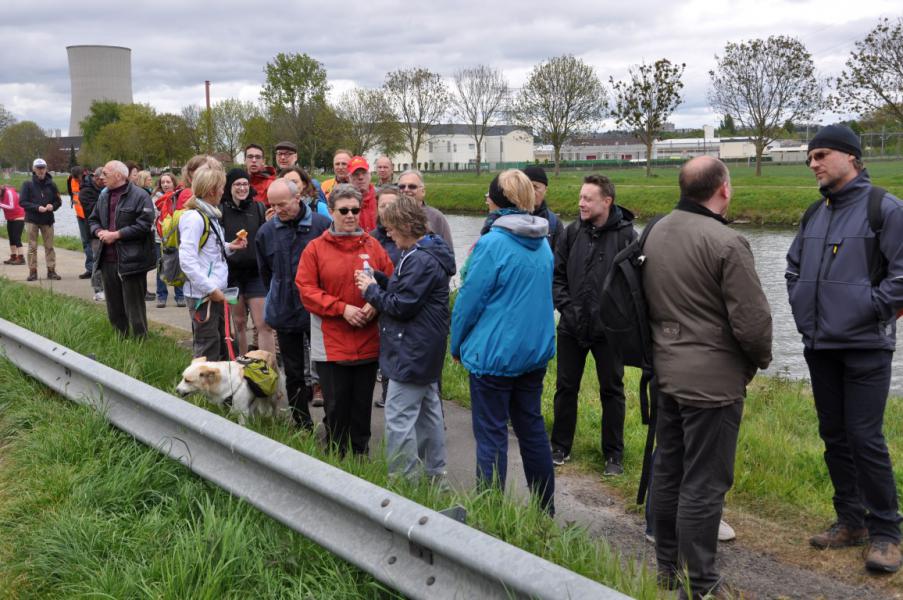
pixel 367 268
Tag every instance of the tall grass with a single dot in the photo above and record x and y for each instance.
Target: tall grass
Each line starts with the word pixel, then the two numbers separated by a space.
pixel 86 511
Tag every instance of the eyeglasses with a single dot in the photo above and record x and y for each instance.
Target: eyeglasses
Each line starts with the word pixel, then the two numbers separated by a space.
pixel 345 210
pixel 818 155
pixel 284 153
pixel 408 186
pixel 254 156
pixel 241 185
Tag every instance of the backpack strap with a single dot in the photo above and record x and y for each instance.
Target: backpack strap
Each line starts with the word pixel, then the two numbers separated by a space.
pixel 877 261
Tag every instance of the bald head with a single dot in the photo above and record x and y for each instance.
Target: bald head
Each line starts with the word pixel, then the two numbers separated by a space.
pixel 283 200
pixel 702 178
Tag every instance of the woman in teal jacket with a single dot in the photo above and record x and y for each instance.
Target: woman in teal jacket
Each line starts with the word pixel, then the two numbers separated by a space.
pixel 503 332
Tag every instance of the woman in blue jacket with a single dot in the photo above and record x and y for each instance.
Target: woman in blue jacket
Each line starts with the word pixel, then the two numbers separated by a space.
pixel 413 329
pixel 503 332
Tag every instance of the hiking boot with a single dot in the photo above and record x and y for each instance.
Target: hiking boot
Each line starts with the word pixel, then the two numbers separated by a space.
pixel 85 275
pixel 726 533
pixel 11 261
pixel 32 276
pixel 840 535
pixel 20 260
pixel 318 396
pixel 180 302
pixel 559 457
pixel 53 275
pixel 613 467
pixel 161 302
pixel 883 556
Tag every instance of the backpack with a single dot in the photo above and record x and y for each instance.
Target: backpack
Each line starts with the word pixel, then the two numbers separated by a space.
pixel 169 269
pixel 627 328
pixel 260 378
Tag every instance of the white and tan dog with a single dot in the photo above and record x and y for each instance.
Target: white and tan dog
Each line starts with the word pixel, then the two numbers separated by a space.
pixel 223 383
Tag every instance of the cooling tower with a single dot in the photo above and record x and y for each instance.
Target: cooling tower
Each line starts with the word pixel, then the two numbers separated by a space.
pixel 97 73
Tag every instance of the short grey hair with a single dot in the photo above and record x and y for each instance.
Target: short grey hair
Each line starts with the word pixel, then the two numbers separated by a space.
pixel 120 168
pixel 342 191
pixel 413 172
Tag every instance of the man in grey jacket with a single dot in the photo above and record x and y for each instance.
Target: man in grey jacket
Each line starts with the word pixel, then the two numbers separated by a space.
pixel 711 330
pixel 845 280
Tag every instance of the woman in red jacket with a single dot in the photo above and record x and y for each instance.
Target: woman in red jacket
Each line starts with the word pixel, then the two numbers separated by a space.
pixel 15 223
pixel 344 338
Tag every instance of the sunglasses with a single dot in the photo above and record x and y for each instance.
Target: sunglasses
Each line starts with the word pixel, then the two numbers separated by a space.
pixel 408 186
pixel 345 210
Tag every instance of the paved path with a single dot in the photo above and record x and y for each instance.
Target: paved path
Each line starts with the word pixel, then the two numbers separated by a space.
pixel 579 498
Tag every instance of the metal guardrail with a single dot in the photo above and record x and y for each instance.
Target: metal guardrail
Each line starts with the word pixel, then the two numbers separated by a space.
pixel 410 548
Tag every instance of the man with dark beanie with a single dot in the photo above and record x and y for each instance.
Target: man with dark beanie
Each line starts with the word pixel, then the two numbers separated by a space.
pixel 540 183
pixel 845 281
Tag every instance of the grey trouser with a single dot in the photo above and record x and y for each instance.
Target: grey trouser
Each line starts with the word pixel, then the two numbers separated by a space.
pixel 208 330
pixel 415 431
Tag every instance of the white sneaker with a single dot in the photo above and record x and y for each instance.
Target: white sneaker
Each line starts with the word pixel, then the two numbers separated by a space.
pixel 725 532
pixel 99 297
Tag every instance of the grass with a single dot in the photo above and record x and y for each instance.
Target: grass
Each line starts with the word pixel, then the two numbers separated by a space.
pixel 780 473
pixel 87 511
pixel 778 197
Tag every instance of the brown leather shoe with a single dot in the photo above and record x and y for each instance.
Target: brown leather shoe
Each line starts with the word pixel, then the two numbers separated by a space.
pixel 32 276
pixel 839 535
pixel 883 556
pixel 53 275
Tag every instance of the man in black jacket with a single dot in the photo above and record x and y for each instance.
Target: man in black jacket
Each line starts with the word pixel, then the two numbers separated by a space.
pixel 40 198
pixel 583 257
pixel 123 220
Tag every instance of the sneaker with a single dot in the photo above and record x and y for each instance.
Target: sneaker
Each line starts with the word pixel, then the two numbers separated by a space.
pixel 181 302
pixel 726 533
pixel 53 275
pixel 840 535
pixel 613 467
pixel 318 396
pixel 559 457
pixel 85 275
pixel 99 297
pixel 883 556
pixel 161 302
pixel 649 537
pixel 32 276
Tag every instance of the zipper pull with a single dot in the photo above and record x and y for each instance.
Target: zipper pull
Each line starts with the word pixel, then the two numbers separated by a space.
pixel 835 248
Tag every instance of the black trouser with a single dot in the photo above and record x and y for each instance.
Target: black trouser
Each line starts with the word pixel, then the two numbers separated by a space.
pixel 850 389
pixel 208 335
pixel 294 356
pixel 610 371
pixel 348 400
pixel 125 300
pixel 694 469
pixel 14 230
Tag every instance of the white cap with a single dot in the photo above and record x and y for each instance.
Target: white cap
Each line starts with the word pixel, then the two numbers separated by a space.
pixel 39 162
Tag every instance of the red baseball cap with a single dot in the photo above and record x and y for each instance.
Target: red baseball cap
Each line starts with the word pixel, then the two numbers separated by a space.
pixel 358 162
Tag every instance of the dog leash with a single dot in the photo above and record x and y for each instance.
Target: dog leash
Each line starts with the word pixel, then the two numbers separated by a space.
pixel 228 318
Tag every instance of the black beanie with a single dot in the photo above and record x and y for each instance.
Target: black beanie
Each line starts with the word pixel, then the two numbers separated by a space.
pixel 837 137
pixel 537 174
pixel 498 196
pixel 234 175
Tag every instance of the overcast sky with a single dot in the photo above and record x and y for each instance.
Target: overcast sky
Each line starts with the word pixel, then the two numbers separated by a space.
pixel 177 45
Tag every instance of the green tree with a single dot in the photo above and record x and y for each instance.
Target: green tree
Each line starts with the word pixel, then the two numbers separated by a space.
pixel 481 96
pixel 229 118
pixel 764 83
pixel 873 78
pixel 418 98
pixel 194 118
pixel 644 101
pixel 6 118
pixel 562 97
pixel 102 113
pixel 258 130
pixel 21 143
pixel 727 127
pixel 368 122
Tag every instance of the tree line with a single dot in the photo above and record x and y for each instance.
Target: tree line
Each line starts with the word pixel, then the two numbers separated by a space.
pixel 760 86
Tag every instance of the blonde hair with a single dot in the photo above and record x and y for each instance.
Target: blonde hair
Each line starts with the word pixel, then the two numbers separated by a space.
pixel 406 215
pixel 206 181
pixel 196 162
pixel 145 179
pixel 518 189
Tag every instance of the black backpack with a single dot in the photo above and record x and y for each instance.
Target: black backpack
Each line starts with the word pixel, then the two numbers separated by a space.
pixel 627 328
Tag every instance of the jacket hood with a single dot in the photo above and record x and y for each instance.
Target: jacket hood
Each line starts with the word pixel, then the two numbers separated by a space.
pixel 854 190
pixel 618 217
pixel 268 172
pixel 528 230
pixel 436 247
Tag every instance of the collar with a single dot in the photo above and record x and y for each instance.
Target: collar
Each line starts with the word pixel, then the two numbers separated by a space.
pixel 851 192
pixel 697 209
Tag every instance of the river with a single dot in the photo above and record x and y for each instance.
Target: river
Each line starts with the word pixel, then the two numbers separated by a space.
pixel 769 246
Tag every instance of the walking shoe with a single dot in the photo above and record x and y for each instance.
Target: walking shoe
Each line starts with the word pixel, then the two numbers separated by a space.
pixel 882 556
pixel 161 302
pixel 53 275
pixel 650 537
pixel 559 457
pixel 318 396
pixel 148 296
pixel 839 535
pixel 181 302
pixel 85 275
pixel 20 260
pixel 32 276
pixel 613 467
pixel 99 297
pixel 10 261
pixel 726 533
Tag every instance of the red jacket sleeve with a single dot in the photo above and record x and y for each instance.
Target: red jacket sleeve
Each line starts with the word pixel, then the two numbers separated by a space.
pixel 315 299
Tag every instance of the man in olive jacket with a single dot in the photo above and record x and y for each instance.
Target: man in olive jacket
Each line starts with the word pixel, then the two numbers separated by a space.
pixel 122 220
pixel 711 330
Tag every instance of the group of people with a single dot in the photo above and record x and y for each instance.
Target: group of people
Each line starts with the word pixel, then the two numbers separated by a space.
pixel 346 279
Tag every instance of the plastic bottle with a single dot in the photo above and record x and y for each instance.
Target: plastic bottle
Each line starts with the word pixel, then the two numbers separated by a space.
pixel 367 268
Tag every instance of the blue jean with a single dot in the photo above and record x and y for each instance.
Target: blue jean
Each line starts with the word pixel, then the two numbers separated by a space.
pixel 494 400
pixel 162 292
pixel 85 234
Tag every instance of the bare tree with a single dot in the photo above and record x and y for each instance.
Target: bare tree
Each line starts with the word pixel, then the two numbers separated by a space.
pixel 418 98
pixel 6 118
pixel 229 118
pixel 369 121
pixel 481 94
pixel 764 83
pixel 872 82
pixel 194 119
pixel 644 102
pixel 562 97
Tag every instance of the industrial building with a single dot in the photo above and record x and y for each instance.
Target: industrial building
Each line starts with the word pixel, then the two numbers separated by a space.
pixel 97 73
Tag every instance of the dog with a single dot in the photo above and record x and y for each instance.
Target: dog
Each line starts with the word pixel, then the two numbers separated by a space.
pixel 223 383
